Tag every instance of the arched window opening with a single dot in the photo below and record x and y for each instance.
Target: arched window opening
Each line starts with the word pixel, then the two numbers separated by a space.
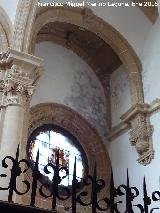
pixel 48 139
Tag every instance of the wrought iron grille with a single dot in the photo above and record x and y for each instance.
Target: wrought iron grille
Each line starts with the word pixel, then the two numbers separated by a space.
pixel 97 185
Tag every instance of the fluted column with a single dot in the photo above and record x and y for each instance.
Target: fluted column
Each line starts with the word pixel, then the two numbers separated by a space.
pixel 18 80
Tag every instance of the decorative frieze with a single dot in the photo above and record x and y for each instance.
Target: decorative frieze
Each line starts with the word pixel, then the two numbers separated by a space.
pixel 141 132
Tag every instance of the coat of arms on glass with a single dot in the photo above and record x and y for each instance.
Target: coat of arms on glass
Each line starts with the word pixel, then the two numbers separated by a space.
pixel 48 139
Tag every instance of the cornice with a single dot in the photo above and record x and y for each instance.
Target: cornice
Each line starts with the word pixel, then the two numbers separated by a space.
pixel 24 57
pixel 154 107
pixel 133 111
pixel 123 126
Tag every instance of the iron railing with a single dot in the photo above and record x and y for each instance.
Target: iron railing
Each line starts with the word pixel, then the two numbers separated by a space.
pixel 71 193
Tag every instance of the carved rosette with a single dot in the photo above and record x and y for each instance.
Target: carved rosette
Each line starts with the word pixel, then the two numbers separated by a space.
pixel 141 132
pixel 18 77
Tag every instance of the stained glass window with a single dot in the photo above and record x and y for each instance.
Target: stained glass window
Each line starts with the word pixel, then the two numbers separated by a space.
pixel 48 139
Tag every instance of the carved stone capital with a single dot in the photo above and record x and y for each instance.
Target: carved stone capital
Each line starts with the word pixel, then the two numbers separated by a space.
pixel 141 132
pixel 18 77
pixel 17 93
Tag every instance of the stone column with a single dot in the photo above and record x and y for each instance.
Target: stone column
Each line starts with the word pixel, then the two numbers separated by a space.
pixel 20 75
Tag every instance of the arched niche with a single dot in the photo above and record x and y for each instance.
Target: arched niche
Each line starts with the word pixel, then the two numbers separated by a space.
pixel 35 18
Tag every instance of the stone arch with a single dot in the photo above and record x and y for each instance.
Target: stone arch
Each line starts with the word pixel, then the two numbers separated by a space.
pixel 31 18
pixel 5 30
pixel 79 127
pixel 34 18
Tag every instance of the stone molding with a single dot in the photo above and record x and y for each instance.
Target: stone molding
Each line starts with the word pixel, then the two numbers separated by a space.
pixel 23 20
pixel 80 128
pixel 5 30
pixel 19 73
pixel 150 109
pixel 141 132
pixel 154 106
pixel 3 39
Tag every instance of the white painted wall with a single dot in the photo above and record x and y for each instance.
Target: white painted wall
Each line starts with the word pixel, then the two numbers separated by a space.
pixel 68 80
pixel 122 154
pixel 151 64
pixel 10 7
pixel 120 94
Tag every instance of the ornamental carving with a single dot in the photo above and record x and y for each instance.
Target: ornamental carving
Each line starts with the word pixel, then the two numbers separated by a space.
pixel 3 59
pixel 141 135
pixel 74 123
pixel 18 77
pixel 141 132
pixel 17 93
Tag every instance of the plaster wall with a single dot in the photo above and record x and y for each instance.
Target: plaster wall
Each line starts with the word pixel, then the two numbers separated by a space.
pixel 70 81
pixel 120 94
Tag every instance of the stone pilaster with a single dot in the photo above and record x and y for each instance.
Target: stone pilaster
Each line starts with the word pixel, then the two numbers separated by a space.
pixel 19 75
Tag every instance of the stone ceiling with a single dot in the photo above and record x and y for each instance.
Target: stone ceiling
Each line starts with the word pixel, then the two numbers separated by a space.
pixel 99 55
